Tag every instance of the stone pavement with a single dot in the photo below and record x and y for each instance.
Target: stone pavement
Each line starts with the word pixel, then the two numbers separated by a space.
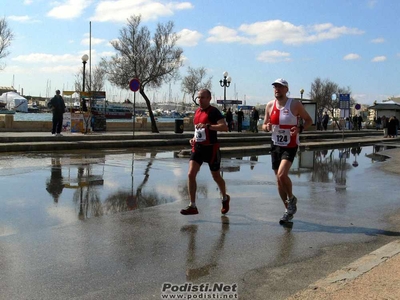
pixel 375 276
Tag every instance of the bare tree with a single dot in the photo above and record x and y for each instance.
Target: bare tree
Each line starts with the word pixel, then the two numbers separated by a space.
pixel 153 61
pixel 98 80
pixel 321 93
pixel 6 36
pixel 193 82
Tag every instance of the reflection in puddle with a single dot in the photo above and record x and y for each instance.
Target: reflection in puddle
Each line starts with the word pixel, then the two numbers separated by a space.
pixel 195 268
pixel 92 195
pixel 84 185
pixel 86 176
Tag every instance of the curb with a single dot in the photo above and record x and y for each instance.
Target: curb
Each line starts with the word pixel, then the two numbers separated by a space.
pixel 338 279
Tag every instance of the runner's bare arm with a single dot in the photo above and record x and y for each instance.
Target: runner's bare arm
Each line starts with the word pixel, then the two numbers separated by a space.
pixel 267 125
pixel 220 126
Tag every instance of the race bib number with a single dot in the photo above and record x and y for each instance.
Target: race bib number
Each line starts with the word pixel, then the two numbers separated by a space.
pixel 200 135
pixel 280 137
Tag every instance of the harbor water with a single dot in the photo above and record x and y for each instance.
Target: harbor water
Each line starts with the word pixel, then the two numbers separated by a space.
pixel 18 116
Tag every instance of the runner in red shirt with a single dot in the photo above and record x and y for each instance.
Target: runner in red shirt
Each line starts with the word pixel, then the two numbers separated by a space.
pixel 205 148
pixel 282 116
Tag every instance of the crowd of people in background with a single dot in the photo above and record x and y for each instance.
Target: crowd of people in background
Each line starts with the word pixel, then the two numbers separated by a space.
pixel 390 125
pixel 357 122
pixel 254 118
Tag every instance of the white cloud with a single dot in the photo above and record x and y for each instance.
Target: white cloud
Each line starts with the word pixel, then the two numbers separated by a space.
pixel 70 9
pixel 189 37
pixel 15 70
pixel 224 34
pixel 22 19
pixel 274 56
pixel 95 41
pixel 352 56
pixel 378 41
pixel 28 2
pixel 379 59
pixel 44 58
pixel 260 33
pixel 59 69
pixel 121 10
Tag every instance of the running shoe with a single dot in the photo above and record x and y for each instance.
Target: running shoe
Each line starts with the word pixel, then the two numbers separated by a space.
pixel 225 205
pixel 286 218
pixel 291 205
pixel 190 210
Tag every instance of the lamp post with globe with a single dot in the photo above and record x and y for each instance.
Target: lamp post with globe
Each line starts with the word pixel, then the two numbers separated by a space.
pixel 226 82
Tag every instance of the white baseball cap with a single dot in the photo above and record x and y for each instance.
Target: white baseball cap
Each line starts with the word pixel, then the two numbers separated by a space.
pixel 281 81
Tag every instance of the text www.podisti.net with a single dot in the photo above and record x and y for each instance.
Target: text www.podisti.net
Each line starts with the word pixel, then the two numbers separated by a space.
pixel 189 290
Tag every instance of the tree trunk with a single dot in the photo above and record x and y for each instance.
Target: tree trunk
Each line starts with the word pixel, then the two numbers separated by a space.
pixel 154 128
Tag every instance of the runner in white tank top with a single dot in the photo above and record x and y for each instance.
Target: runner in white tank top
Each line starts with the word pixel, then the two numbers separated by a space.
pixel 281 118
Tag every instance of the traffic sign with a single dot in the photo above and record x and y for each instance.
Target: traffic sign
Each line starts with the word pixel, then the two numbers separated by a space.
pixel 344 97
pixel 344 101
pixel 358 106
pixel 134 84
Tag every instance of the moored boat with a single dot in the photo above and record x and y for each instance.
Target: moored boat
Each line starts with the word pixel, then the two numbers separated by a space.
pixel 112 111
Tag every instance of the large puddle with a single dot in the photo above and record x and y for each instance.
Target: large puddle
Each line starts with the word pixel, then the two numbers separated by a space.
pixel 40 190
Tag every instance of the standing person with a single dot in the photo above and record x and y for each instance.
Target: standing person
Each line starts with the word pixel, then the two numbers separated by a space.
pixel 391 127
pixel 57 106
pixel 359 122
pixel 325 120
pixel 384 122
pixel 282 118
pixel 355 122
pixel 254 119
pixel 229 118
pixel 240 116
pixel 205 148
pixel 378 123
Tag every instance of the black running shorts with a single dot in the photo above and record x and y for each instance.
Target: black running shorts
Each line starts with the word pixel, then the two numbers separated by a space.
pixel 210 154
pixel 282 153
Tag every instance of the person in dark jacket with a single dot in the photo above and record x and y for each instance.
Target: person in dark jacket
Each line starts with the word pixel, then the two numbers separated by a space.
pixel 229 119
pixel 254 119
pixel 359 122
pixel 240 116
pixel 325 121
pixel 57 106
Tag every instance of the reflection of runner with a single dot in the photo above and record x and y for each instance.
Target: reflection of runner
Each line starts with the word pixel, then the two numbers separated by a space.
pixel 195 273
pixel 55 184
pixel 253 159
pixel 341 168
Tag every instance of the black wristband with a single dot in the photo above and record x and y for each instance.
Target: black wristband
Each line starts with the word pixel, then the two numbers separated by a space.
pixel 208 126
pixel 301 127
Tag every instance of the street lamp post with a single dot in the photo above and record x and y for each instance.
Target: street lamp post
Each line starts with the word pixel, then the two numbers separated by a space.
pixel 85 58
pixel 301 122
pixel 226 82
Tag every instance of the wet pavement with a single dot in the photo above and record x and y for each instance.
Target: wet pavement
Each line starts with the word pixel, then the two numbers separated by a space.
pixel 106 224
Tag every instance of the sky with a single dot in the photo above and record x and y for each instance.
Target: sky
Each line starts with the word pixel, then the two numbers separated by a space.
pixel 353 43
